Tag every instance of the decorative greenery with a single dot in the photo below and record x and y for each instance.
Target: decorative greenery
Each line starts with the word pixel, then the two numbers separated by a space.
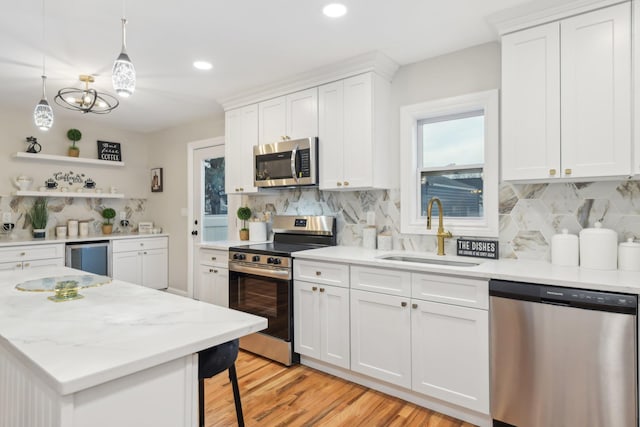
pixel 244 213
pixel 39 214
pixel 74 136
pixel 108 214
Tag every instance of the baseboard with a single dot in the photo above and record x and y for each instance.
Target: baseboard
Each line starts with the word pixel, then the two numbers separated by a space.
pixel 178 292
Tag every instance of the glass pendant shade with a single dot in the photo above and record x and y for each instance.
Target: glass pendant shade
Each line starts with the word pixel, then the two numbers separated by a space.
pixel 43 113
pixel 123 75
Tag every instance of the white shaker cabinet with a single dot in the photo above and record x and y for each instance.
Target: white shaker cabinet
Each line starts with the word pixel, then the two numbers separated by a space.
pixel 142 261
pixel 321 313
pixel 31 256
pixel 241 134
pixel 213 279
pixel 381 336
pixel 566 97
pixel 450 339
pixel 288 117
pixel 353 133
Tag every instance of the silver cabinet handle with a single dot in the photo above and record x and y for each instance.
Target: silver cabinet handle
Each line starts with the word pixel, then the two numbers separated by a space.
pixel 294 153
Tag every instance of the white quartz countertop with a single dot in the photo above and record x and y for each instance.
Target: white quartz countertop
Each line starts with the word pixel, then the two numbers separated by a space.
pixel 540 272
pixel 7 240
pixel 115 330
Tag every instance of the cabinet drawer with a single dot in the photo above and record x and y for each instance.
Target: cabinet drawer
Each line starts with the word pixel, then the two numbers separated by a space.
pixel 321 272
pixel 461 291
pixel 215 257
pixel 126 245
pixel 392 282
pixel 30 252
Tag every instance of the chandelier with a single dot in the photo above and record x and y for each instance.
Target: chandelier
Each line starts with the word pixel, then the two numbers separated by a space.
pixel 87 100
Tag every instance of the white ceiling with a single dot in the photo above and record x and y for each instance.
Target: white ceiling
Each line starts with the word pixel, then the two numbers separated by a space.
pixel 250 42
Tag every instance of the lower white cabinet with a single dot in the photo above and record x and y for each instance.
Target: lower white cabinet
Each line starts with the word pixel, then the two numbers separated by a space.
pixel 321 322
pixel 142 261
pixel 213 278
pixel 450 353
pixel 381 336
pixel 31 256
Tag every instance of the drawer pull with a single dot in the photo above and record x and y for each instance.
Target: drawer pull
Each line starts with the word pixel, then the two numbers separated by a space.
pixel 567 171
pixel 27 264
pixel 403 304
pixel 318 273
pixel 321 289
pixel 314 288
pixel 141 244
pixel 414 305
pixel 23 253
pixel 552 172
pixel 346 183
pixel 213 258
pixel 19 265
pixel 213 270
pixel 339 184
pixel 145 252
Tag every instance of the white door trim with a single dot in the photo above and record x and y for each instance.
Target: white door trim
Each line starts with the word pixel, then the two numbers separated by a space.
pixel 191 147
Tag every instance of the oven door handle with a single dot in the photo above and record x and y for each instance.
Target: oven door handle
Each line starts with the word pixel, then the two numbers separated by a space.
pixel 281 273
pixel 294 154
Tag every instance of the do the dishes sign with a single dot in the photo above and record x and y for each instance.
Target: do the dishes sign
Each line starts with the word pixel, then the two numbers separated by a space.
pixel 109 151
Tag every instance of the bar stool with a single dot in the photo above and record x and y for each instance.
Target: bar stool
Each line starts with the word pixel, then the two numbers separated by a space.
pixel 211 362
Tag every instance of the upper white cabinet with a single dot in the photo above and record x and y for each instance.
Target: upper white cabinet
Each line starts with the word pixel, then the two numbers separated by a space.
pixel 288 117
pixel 566 100
pixel 241 134
pixel 353 133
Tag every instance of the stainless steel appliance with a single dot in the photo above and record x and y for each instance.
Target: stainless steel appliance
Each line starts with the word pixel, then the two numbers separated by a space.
pixel 89 256
pixel 286 163
pixel 562 356
pixel 261 281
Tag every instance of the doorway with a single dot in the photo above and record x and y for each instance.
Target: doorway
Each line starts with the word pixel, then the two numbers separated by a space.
pixel 208 203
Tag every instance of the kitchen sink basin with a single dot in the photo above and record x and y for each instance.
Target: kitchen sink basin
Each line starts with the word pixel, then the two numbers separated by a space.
pixel 435 261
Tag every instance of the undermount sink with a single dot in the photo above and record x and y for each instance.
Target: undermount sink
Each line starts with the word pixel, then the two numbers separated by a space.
pixel 404 258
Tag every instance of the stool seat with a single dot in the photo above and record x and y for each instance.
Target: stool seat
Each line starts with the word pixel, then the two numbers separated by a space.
pixel 216 359
pixel 211 362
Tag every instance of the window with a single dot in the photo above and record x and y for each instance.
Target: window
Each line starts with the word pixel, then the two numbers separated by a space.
pixel 450 151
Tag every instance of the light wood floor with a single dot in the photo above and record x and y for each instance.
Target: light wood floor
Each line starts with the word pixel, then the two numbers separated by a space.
pixel 273 395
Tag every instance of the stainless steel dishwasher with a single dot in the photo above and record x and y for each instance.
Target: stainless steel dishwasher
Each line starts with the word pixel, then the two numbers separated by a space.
pixel 562 356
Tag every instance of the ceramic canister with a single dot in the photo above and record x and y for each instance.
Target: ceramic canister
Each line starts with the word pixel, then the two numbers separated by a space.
pixel 599 248
pixel 84 228
pixel 565 249
pixel 72 227
pixel 369 237
pixel 257 231
pixel 629 255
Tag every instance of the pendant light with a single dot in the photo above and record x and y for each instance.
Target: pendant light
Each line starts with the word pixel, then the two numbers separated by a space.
pixel 123 75
pixel 43 113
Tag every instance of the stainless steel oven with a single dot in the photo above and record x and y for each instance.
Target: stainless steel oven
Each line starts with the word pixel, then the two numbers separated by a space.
pixel 261 281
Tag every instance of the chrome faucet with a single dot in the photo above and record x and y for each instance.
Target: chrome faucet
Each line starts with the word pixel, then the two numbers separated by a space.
pixel 441 233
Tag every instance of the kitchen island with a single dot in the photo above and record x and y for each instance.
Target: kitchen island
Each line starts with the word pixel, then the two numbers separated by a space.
pixel 124 355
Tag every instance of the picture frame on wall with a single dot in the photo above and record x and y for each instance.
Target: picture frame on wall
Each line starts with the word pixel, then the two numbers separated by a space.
pixel 156 180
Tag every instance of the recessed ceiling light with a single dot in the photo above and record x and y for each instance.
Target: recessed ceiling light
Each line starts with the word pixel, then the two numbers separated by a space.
pixel 334 10
pixel 202 65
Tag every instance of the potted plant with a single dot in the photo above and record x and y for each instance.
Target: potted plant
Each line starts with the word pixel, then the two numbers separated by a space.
pixel 74 136
pixel 39 217
pixel 244 213
pixel 108 214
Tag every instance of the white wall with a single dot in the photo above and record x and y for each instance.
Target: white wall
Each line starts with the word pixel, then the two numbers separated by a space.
pixel 168 150
pixel 16 127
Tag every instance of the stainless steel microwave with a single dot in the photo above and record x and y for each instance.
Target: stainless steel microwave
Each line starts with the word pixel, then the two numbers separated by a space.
pixel 286 163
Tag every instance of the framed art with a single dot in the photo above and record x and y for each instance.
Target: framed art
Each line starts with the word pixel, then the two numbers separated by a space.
pixel 109 151
pixel 156 180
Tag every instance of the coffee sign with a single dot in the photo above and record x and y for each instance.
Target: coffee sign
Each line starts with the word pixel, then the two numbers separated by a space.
pixel 109 151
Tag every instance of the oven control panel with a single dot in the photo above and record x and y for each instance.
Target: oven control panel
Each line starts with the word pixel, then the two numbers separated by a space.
pixel 260 259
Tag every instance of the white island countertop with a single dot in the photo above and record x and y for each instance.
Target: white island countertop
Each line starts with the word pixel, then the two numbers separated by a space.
pixel 117 329
pixel 541 272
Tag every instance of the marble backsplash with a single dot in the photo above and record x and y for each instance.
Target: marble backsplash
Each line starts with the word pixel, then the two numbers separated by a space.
pixel 63 209
pixel 530 214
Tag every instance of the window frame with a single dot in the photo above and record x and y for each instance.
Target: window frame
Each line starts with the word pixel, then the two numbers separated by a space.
pixel 411 221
